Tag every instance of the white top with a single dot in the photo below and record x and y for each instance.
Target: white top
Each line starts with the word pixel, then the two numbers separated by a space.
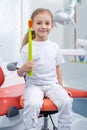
pixel 46 56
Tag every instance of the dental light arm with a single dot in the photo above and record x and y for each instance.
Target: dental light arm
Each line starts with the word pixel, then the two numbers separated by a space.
pixel 66 16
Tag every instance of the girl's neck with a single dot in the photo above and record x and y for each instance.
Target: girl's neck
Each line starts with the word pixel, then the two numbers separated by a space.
pixel 40 39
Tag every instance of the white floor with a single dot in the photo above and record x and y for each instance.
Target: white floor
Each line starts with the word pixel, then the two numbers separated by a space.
pixel 79 123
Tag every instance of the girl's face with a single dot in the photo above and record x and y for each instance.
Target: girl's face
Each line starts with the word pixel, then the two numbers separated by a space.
pixel 42 25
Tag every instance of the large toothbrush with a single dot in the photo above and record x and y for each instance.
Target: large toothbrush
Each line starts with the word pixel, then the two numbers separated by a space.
pixel 30 43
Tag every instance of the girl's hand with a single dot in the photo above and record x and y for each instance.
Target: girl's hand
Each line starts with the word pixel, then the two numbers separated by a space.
pixel 28 66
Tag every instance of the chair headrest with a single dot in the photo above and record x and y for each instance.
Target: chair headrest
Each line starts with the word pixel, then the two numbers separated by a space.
pixel 12 66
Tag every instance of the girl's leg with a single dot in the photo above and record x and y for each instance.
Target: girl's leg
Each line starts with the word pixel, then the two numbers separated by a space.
pixel 64 103
pixel 32 105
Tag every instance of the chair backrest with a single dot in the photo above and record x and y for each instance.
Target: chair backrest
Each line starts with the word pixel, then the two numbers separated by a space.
pixel 2 76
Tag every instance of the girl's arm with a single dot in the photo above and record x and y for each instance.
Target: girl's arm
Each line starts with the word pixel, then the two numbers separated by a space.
pixel 59 75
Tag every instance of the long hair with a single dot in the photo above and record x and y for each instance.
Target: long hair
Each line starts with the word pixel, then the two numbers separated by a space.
pixel 36 12
pixel 25 39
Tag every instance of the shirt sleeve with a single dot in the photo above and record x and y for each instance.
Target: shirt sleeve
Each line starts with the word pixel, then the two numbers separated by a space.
pixel 59 58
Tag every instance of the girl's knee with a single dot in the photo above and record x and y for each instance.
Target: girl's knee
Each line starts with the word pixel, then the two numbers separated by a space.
pixel 66 103
pixel 34 104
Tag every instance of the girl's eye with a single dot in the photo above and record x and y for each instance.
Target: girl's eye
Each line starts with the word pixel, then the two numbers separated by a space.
pixel 47 23
pixel 38 23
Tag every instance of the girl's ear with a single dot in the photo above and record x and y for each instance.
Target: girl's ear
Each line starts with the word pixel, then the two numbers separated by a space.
pixel 52 26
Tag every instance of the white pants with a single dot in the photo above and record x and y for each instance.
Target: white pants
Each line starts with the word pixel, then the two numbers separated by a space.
pixel 33 103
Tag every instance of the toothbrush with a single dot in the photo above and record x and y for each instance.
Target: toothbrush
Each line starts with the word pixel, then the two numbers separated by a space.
pixel 30 43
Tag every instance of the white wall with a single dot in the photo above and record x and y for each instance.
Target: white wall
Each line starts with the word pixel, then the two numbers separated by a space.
pixel 9 30
pixel 82 20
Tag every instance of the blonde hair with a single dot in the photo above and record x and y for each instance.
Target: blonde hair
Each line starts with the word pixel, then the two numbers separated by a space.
pixel 37 11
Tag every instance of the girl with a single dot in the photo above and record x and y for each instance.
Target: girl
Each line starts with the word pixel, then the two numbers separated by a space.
pixel 47 78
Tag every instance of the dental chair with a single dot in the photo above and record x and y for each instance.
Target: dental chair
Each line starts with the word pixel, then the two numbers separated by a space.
pixel 12 100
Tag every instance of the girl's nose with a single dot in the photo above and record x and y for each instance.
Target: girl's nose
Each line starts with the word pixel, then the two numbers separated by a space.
pixel 43 25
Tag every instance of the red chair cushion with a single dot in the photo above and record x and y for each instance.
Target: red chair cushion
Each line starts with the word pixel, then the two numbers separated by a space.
pixel 10 96
pixel 13 96
pixel 76 93
pixel 47 105
pixel 2 77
